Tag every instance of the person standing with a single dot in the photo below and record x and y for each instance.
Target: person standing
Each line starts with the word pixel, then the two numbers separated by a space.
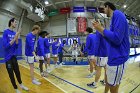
pixel 55 46
pixel 47 51
pixel 60 52
pixel 101 58
pixel 41 53
pixel 90 49
pixel 118 46
pixel 10 44
pixel 30 53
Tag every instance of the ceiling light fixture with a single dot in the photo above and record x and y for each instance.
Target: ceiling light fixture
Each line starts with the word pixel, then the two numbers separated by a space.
pixel 124 6
pixel 46 2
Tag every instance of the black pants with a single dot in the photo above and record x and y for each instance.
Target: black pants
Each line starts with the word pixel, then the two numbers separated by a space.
pixel 60 57
pixel 12 67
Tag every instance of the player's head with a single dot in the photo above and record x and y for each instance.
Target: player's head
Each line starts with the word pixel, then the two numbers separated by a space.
pixel 64 41
pixel 75 41
pixel 42 34
pixel 12 23
pixel 36 29
pixel 47 34
pixel 108 7
pixel 89 30
pixel 55 39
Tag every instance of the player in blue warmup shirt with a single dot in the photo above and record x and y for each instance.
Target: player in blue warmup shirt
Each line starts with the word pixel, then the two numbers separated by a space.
pixel 118 46
pixel 90 49
pixel 101 58
pixel 60 52
pixel 30 53
pixel 41 52
pixel 47 45
pixel 55 46
pixel 10 44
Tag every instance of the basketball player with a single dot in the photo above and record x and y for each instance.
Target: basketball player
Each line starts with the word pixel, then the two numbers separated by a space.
pixel 90 49
pixel 75 50
pixel 10 44
pixel 60 52
pixel 118 46
pixel 55 46
pixel 30 53
pixel 41 53
pixel 47 51
pixel 101 54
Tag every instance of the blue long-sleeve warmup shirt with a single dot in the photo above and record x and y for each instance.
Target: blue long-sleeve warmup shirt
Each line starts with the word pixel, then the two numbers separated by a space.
pixel 55 48
pixel 100 46
pixel 47 46
pixel 9 50
pixel 40 47
pixel 118 39
pixel 29 44
pixel 90 44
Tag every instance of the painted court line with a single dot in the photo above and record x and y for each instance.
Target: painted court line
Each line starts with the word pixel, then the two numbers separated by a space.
pixel 46 79
pixel 134 88
pixel 72 84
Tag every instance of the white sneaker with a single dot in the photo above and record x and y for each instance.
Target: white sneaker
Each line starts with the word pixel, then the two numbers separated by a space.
pixel 89 76
pixel 60 65
pixel 23 87
pixel 63 63
pixel 56 66
pixel 17 91
pixel 48 70
pixel 36 82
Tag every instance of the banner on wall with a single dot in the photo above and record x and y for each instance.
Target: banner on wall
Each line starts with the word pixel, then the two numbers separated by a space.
pixel 53 12
pixel 82 24
pixel 71 25
pixel 69 41
pixel 91 9
pixel 65 10
pixel 78 9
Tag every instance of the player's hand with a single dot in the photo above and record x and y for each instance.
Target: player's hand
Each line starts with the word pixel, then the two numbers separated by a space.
pixel 97 26
pixel 36 58
pixel 82 54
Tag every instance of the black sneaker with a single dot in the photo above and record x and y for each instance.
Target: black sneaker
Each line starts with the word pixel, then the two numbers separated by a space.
pixel 102 82
pixel 92 85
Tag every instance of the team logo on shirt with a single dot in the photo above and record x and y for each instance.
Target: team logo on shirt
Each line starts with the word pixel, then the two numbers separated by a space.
pixel 11 36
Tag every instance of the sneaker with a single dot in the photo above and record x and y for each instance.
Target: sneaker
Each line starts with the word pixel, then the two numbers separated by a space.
pixel 45 74
pixel 92 85
pixel 17 91
pixel 102 82
pixel 48 70
pixel 42 74
pixel 56 66
pixel 89 76
pixel 36 82
pixel 63 63
pixel 60 64
pixel 23 87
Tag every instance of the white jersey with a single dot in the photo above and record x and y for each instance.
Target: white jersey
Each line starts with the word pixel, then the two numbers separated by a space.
pixel 75 49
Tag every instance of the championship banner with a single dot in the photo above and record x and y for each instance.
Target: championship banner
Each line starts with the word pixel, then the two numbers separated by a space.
pixel 82 24
pixel 71 25
pixel 65 10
